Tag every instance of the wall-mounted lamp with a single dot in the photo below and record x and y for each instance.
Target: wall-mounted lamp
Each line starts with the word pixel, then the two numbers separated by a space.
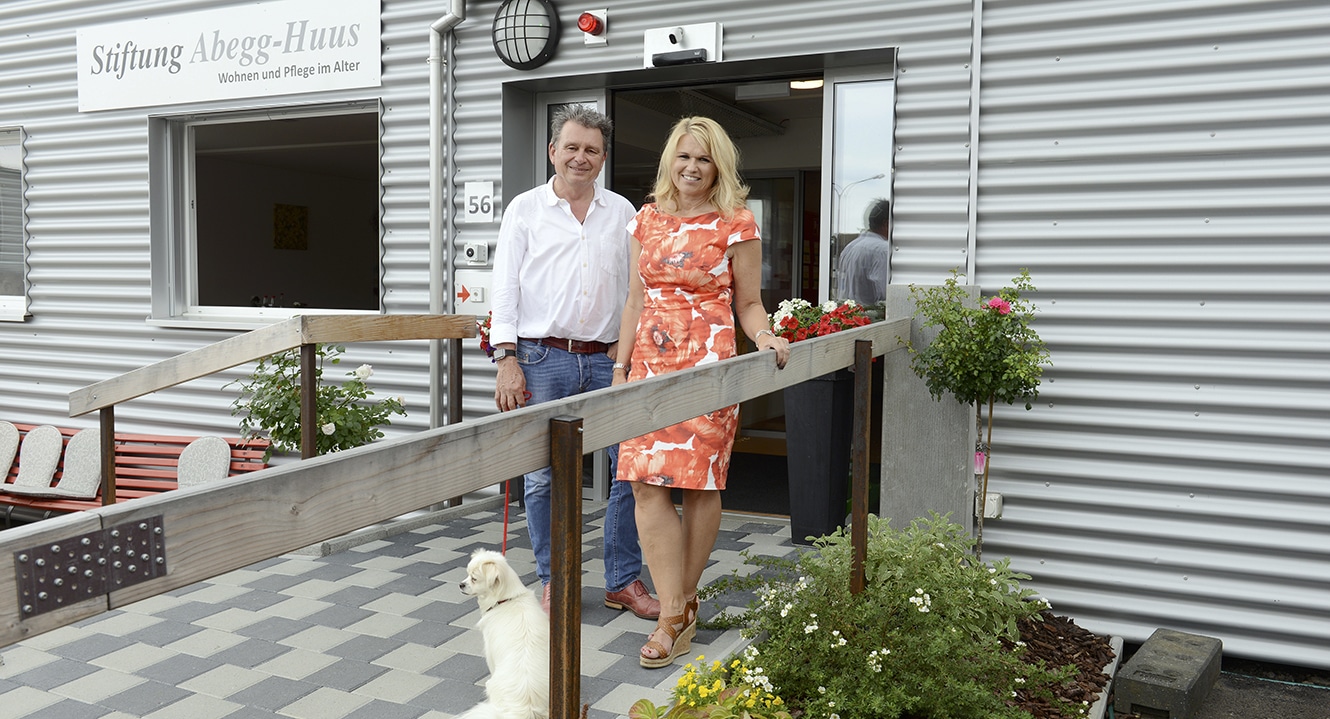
pixel 525 33
pixel 806 84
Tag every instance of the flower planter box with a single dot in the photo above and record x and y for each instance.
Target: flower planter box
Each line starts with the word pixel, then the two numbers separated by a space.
pixel 818 423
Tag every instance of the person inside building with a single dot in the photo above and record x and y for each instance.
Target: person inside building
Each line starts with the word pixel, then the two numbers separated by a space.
pixel 560 279
pixel 698 260
pixel 865 264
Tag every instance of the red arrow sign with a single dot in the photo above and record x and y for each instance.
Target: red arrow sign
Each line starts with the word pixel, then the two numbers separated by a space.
pixel 463 293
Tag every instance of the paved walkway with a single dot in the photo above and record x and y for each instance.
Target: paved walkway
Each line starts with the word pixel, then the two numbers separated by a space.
pixel 377 631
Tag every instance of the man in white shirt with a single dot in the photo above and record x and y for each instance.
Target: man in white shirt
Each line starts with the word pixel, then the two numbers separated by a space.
pixel 559 286
pixel 864 269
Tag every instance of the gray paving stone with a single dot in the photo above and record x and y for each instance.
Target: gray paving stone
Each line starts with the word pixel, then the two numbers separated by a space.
pixel 276 582
pixel 163 633
pixel 330 572
pixel 254 600
pixel 189 612
pixel 250 653
pixel 364 648
pixel 69 709
pixel 347 675
pixel 430 634
pixel 272 693
pixel 91 646
pixel 595 688
pixel 338 617
pixel 273 628
pixel 251 713
pixel 355 596
pixel 414 585
pixel 54 674
pixel 451 696
pixel 463 668
pixel 443 612
pixel 145 698
pixel 178 669
pixel 379 709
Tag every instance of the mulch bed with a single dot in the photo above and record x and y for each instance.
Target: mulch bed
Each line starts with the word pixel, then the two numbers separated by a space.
pixel 1058 642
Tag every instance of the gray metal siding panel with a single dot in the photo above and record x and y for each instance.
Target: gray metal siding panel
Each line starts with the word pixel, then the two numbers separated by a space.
pixel 1162 168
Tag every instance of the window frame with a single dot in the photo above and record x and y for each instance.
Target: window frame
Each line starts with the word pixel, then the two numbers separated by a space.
pixel 172 195
pixel 14 308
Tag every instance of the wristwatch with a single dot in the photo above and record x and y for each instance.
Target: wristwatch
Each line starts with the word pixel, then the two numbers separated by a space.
pixel 502 354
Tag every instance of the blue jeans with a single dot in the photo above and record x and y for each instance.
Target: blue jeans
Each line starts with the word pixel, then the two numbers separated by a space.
pixel 554 374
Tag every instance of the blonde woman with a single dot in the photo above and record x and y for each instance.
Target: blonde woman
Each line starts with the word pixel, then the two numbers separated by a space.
pixel 698 257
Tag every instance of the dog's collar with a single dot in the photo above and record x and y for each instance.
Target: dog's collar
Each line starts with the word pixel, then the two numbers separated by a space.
pixel 501 601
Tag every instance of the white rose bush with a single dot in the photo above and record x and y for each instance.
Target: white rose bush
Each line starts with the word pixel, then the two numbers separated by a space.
pixel 270 404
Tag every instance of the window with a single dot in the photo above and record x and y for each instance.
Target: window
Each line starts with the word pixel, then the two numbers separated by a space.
pixel 13 293
pixel 260 215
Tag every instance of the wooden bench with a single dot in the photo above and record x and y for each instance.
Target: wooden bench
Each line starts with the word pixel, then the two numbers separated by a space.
pixel 145 464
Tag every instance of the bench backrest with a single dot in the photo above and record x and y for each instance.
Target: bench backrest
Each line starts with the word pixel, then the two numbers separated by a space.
pixel 149 461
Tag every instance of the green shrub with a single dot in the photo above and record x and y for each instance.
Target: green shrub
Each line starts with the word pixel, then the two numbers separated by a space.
pixel 924 639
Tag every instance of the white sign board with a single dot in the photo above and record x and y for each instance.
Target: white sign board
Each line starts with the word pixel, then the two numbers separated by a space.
pixel 479 202
pixel 252 50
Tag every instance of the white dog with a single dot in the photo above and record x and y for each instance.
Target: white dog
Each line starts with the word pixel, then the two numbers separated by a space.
pixel 517 641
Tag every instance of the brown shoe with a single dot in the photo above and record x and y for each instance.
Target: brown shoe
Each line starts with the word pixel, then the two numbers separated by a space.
pixel 636 599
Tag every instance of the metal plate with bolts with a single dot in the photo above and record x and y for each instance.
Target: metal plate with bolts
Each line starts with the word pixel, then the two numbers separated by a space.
pixel 57 574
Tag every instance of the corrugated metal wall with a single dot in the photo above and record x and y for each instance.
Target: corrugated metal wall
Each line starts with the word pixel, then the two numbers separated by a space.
pixel 1163 169
pixel 1160 165
pixel 88 241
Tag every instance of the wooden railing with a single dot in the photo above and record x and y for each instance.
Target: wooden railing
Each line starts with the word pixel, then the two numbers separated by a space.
pixel 210 530
pixel 304 331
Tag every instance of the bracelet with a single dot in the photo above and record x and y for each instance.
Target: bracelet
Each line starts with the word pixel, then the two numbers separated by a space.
pixel 763 332
pixel 620 365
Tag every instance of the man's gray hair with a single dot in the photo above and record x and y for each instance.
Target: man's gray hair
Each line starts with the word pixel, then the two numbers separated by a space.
pixel 585 116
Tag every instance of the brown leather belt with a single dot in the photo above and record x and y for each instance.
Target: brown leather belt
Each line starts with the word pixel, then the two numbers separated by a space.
pixel 577 347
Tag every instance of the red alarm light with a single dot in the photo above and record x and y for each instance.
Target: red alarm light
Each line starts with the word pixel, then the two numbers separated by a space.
pixel 590 24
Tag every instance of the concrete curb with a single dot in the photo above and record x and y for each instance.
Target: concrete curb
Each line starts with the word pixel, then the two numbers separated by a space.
pixel 1100 706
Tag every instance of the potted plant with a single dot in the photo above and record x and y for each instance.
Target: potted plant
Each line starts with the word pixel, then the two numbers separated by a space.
pixel 984 353
pixel 270 403
pixel 818 420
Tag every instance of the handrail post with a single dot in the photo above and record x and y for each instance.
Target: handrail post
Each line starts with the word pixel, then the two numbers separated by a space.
pixel 565 566
pixel 309 393
pixel 108 454
pixel 863 407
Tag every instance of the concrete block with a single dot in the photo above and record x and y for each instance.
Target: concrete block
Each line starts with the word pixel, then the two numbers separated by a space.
pixel 1169 676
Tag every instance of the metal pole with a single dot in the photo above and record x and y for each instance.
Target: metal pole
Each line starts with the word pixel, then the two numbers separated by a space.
pixel 863 408
pixel 565 566
pixel 309 392
pixel 108 454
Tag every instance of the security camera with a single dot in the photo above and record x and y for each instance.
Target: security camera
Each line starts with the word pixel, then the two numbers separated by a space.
pixel 476 253
pixel 676 35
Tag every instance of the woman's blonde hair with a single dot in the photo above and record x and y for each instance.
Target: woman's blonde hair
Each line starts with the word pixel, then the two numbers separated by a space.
pixel 729 193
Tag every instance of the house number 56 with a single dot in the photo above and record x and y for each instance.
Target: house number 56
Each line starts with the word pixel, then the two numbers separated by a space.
pixel 479 202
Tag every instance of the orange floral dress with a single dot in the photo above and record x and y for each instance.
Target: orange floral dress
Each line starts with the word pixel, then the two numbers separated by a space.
pixel 687 320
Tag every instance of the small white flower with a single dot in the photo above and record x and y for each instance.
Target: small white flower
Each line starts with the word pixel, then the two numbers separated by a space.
pixel 401 399
pixel 329 428
pixel 810 628
pixel 821 690
pixel 1020 680
pixel 363 372
pixel 829 306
